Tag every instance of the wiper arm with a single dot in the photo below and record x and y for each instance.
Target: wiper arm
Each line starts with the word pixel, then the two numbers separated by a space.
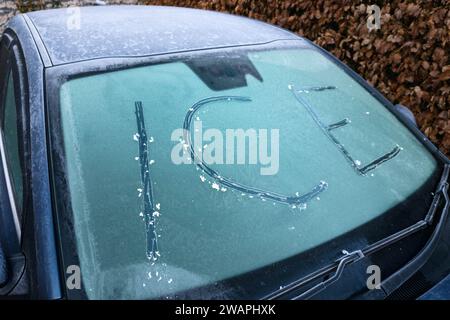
pixel 348 258
pixel 339 265
pixel 441 191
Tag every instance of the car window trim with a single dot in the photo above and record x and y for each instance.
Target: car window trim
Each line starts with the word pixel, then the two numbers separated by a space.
pixel 11 196
pixel 14 64
pixel 8 65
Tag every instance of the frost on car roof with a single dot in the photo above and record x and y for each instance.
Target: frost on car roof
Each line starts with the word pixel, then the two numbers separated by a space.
pixel 72 35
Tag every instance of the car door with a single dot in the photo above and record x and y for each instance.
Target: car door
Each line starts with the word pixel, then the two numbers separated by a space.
pixel 12 169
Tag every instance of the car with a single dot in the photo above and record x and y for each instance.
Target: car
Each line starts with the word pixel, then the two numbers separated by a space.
pixel 170 153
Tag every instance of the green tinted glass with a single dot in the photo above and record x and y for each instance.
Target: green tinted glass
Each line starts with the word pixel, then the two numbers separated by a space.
pixel 339 151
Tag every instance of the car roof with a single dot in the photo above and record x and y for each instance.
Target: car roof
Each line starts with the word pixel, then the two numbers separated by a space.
pixel 78 34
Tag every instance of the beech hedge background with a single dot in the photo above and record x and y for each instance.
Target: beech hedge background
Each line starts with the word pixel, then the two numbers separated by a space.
pixel 407 59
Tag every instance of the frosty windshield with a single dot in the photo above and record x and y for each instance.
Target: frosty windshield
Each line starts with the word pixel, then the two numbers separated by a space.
pixel 189 172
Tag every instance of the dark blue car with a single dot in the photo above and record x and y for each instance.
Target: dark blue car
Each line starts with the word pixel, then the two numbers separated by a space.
pixel 167 153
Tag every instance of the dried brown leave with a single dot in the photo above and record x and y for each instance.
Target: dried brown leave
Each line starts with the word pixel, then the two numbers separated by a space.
pixel 407 59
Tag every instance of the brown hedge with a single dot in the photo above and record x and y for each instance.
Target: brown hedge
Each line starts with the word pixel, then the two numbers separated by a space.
pixel 407 59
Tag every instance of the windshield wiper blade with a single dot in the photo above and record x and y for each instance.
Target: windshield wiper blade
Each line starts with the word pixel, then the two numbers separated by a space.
pixel 441 192
pixel 348 258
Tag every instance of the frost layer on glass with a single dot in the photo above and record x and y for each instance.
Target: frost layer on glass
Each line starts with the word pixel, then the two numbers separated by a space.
pixel 207 232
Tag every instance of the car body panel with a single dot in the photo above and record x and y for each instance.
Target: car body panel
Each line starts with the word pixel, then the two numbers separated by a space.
pixel 98 32
pixel 44 245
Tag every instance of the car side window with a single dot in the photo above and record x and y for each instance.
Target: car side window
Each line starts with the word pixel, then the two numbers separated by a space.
pixel 11 142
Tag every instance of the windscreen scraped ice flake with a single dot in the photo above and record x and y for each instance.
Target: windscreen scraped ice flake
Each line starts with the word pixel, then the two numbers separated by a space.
pixel 150 211
pixel 296 200
pixel 327 130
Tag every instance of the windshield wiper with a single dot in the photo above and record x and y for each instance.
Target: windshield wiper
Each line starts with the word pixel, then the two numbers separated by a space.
pixel 339 265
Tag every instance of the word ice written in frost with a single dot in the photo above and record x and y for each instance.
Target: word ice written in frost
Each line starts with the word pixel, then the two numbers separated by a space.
pixel 237 146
